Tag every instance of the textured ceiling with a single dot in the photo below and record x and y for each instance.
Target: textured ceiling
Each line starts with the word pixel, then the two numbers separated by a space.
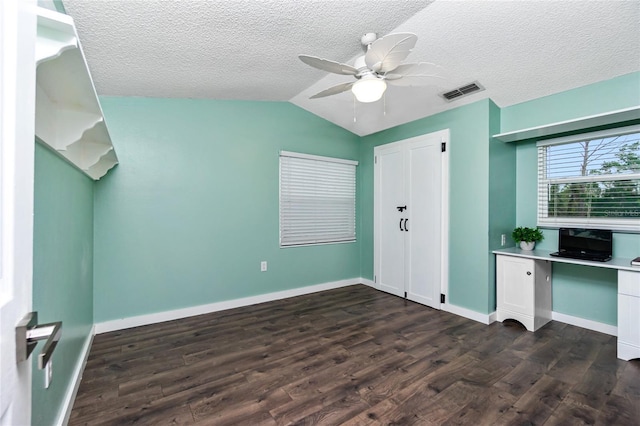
pixel 247 49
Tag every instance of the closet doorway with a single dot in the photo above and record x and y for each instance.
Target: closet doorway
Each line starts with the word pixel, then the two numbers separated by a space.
pixel 411 210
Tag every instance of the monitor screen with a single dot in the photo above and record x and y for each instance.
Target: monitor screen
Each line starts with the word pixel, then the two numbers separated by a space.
pixel 585 241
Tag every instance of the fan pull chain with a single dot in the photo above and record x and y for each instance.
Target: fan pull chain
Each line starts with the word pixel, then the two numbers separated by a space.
pixel 384 104
pixel 354 109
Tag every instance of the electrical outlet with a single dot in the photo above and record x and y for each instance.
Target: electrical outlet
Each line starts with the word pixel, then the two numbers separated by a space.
pixel 503 240
pixel 263 266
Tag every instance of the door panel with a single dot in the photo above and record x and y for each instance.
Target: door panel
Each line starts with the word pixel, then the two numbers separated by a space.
pixel 17 139
pixel 422 246
pixel 389 238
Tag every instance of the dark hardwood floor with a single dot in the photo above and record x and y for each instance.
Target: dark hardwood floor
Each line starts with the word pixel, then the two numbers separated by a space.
pixel 354 356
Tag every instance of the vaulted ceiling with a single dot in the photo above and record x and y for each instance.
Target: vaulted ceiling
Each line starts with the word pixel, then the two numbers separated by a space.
pixel 247 49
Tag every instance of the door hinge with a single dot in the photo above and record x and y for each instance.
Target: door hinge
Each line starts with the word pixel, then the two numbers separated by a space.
pixel 375 159
pixel 443 146
pixel 375 279
pixel 441 298
pixel 405 294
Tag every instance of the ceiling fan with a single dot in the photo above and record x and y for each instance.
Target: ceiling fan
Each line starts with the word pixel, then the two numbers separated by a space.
pixel 381 64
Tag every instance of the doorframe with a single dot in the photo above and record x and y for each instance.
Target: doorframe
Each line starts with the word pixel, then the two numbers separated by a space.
pixel 444 223
pixel 445 136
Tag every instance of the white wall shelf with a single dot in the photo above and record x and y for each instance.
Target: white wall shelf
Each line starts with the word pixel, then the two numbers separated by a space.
pixel 563 127
pixel 69 118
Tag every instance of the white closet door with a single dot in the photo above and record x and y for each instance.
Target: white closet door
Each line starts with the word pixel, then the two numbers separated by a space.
pixel 424 200
pixel 410 247
pixel 388 236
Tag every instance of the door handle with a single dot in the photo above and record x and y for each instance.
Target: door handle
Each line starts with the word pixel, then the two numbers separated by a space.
pixel 405 225
pixel 29 332
pixel 401 224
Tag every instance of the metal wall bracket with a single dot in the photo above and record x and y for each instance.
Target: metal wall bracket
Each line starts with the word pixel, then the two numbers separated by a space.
pixel 29 332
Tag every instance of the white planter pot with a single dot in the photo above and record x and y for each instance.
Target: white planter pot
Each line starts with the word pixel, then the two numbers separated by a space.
pixel 527 245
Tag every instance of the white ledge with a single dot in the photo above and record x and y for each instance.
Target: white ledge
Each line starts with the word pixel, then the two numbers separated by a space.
pixel 69 119
pixel 562 127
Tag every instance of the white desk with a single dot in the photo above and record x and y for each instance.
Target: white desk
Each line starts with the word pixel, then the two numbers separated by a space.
pixel 628 296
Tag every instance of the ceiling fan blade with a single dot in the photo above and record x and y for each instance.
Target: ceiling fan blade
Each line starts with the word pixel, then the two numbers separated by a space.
pixel 327 65
pixel 418 74
pixel 333 90
pixel 386 53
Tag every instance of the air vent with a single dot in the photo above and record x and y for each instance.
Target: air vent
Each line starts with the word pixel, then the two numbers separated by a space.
pixel 461 91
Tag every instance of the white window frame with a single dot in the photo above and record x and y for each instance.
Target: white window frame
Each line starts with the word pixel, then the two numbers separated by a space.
pixel 544 220
pixel 306 221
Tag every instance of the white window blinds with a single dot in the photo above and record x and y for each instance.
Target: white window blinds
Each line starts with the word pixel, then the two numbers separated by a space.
pixel 317 199
pixel 591 180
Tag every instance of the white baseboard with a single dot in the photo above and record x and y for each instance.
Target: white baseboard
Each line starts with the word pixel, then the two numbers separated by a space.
pixel 556 316
pixel 72 390
pixel 468 313
pixel 368 282
pixel 628 351
pixel 120 324
pixel 585 323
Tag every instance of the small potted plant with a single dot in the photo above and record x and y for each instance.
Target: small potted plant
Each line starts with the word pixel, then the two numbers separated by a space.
pixel 527 237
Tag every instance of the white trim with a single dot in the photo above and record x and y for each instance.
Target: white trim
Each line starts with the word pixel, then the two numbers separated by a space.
pixel 594 178
pixel 48 4
pixel 600 327
pixel 605 119
pixel 615 225
pixel 318 158
pixel 627 351
pixel 72 391
pixel 469 314
pixel 444 216
pixel 120 324
pixel 369 282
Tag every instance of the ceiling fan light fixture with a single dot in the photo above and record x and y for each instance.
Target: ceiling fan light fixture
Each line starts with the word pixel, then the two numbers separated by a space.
pixel 369 89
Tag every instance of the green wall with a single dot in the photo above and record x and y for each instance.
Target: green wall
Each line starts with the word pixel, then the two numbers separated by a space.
pixel 610 95
pixel 192 209
pixel 470 286
pixel 62 272
pixel 578 291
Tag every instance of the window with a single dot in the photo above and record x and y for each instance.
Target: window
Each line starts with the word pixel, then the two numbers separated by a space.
pixel 591 180
pixel 317 199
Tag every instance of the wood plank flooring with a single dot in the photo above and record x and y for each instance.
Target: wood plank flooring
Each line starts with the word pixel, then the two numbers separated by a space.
pixel 354 356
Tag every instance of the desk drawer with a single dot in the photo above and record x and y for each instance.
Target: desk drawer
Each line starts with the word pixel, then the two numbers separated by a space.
pixel 629 283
